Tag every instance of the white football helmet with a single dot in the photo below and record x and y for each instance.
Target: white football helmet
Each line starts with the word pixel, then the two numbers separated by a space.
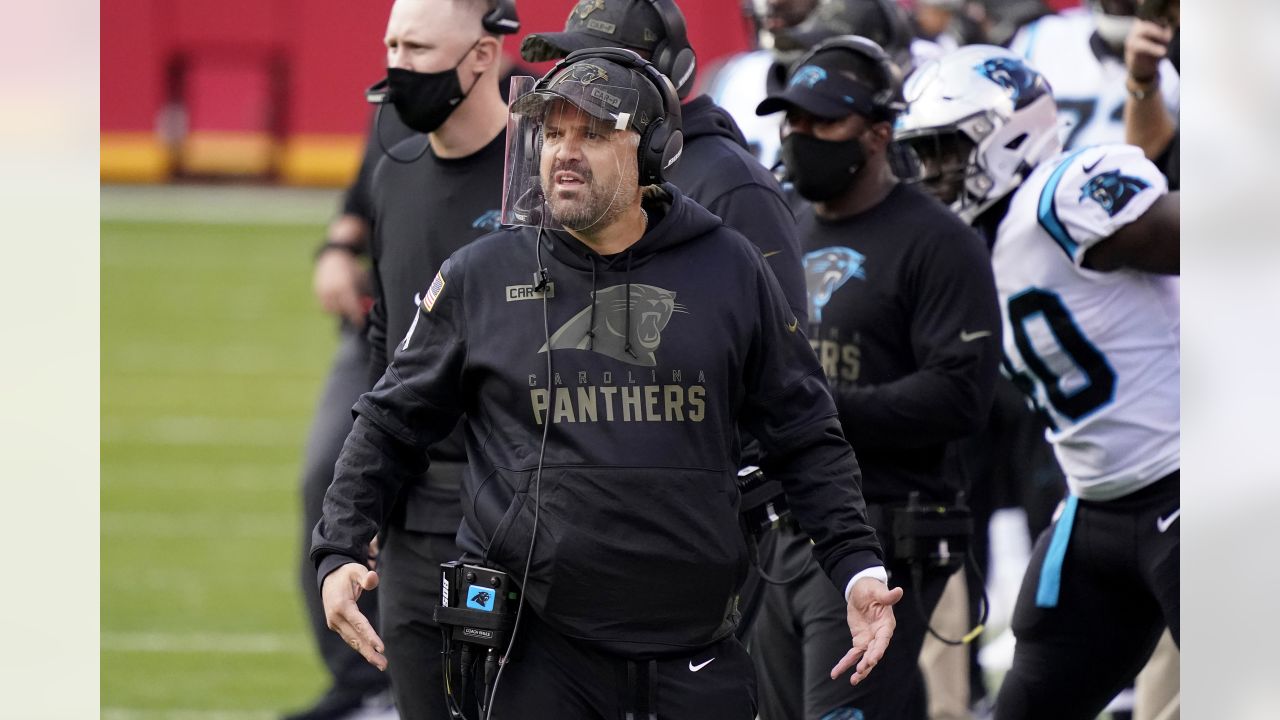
pixel 978 121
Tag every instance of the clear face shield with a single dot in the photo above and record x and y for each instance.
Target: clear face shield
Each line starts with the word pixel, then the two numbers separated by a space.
pixel 571 160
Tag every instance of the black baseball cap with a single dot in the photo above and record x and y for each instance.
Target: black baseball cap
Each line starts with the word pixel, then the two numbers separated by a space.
pixel 823 87
pixel 602 88
pixel 598 23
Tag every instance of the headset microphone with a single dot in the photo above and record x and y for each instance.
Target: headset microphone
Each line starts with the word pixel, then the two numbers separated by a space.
pixel 541 279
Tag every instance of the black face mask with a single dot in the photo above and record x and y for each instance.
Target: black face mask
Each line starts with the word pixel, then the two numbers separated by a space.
pixel 821 169
pixel 424 100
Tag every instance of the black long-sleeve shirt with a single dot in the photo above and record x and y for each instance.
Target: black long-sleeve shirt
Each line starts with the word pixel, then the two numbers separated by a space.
pixel 904 317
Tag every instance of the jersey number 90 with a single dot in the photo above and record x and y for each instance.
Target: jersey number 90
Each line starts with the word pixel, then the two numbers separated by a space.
pixel 1100 380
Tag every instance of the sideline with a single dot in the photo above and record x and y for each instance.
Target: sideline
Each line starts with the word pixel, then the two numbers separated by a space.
pixel 219 204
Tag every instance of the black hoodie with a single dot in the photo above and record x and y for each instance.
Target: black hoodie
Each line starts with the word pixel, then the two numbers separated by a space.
pixel 718 172
pixel 638 546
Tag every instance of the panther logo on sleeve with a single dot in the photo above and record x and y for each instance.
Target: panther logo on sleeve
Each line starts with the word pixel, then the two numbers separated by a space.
pixel 1112 190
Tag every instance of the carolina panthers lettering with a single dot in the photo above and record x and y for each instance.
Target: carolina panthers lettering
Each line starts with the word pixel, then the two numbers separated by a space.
pixel 1112 190
pixel 1018 81
pixel 809 75
pixel 825 271
pixel 638 396
pixel 651 308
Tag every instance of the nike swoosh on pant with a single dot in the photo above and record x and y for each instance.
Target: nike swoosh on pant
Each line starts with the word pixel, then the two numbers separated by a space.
pixel 1162 524
pixel 699 666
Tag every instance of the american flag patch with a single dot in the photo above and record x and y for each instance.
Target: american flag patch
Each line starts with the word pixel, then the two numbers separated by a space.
pixel 433 292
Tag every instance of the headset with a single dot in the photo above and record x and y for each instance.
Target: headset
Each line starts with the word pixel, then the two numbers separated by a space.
pixel 900 33
pixel 502 19
pixel 662 141
pixel 673 56
pixel 887 101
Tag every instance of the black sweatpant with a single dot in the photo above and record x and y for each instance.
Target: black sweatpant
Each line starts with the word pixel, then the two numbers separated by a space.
pixel 1118 589
pixel 801 630
pixel 409 566
pixel 348 377
pixel 552 677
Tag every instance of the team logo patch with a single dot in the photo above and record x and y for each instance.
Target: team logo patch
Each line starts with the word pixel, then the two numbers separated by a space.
pixel 1019 81
pixel 1112 190
pixel 808 76
pixel 433 293
pixel 582 73
pixel 479 598
pixel 651 310
pixel 488 221
pixel 825 271
pixel 586 7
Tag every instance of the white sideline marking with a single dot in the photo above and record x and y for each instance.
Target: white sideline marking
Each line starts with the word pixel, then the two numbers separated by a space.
pixel 226 643
pixel 181 714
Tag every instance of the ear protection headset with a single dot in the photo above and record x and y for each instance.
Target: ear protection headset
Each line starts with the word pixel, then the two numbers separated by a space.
pixel 502 19
pixel 900 33
pixel 662 141
pixel 673 56
pixel 888 99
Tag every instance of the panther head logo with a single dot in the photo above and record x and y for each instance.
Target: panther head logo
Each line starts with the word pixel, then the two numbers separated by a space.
pixel 651 310
pixel 1020 82
pixel 825 271
pixel 808 76
pixel 582 73
pixel 1112 190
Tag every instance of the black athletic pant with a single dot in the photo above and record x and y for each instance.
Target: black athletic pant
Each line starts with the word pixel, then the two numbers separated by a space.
pixel 801 630
pixel 409 569
pixel 553 677
pixel 348 378
pixel 1118 589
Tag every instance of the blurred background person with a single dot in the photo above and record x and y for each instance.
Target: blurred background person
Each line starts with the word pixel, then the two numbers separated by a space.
pixel 1148 122
pixel 903 317
pixel 1081 52
pixel 784 31
pixel 432 193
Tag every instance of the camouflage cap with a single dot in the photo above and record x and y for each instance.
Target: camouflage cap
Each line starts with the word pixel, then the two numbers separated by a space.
pixel 602 88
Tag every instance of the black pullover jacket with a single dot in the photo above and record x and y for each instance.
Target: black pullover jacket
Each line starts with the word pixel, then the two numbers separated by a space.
pixel 656 354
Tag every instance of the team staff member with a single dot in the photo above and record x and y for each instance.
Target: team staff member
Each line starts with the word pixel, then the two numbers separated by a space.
pixel 903 316
pixel 432 194
pixel 631 584
pixel 717 170
pixel 340 280
pixel 1085 255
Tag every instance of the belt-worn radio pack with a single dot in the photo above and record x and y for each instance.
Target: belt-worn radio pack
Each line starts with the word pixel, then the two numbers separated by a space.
pixel 476 614
pixel 932 534
pixel 762 504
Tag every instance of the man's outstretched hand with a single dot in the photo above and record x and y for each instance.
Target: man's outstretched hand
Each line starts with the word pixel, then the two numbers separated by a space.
pixel 871 623
pixel 341 589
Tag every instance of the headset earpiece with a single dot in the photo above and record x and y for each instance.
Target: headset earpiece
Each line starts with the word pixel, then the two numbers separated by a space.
pixel 502 19
pixel 673 56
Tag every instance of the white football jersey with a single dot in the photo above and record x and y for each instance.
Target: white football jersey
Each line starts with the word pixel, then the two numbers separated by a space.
pixel 738 86
pixel 1088 85
pixel 1098 351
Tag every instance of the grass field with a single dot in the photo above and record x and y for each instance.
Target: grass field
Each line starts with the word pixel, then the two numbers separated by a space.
pixel 212 356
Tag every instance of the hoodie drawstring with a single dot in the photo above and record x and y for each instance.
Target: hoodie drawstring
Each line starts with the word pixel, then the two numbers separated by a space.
pixel 627 298
pixel 591 323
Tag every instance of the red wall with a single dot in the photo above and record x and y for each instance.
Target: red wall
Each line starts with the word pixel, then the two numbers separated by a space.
pixel 297 66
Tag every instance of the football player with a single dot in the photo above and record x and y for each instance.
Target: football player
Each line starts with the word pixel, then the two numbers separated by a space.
pixel 1085 251
pixel 1081 53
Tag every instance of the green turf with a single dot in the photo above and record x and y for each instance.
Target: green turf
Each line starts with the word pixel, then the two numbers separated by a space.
pixel 213 353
